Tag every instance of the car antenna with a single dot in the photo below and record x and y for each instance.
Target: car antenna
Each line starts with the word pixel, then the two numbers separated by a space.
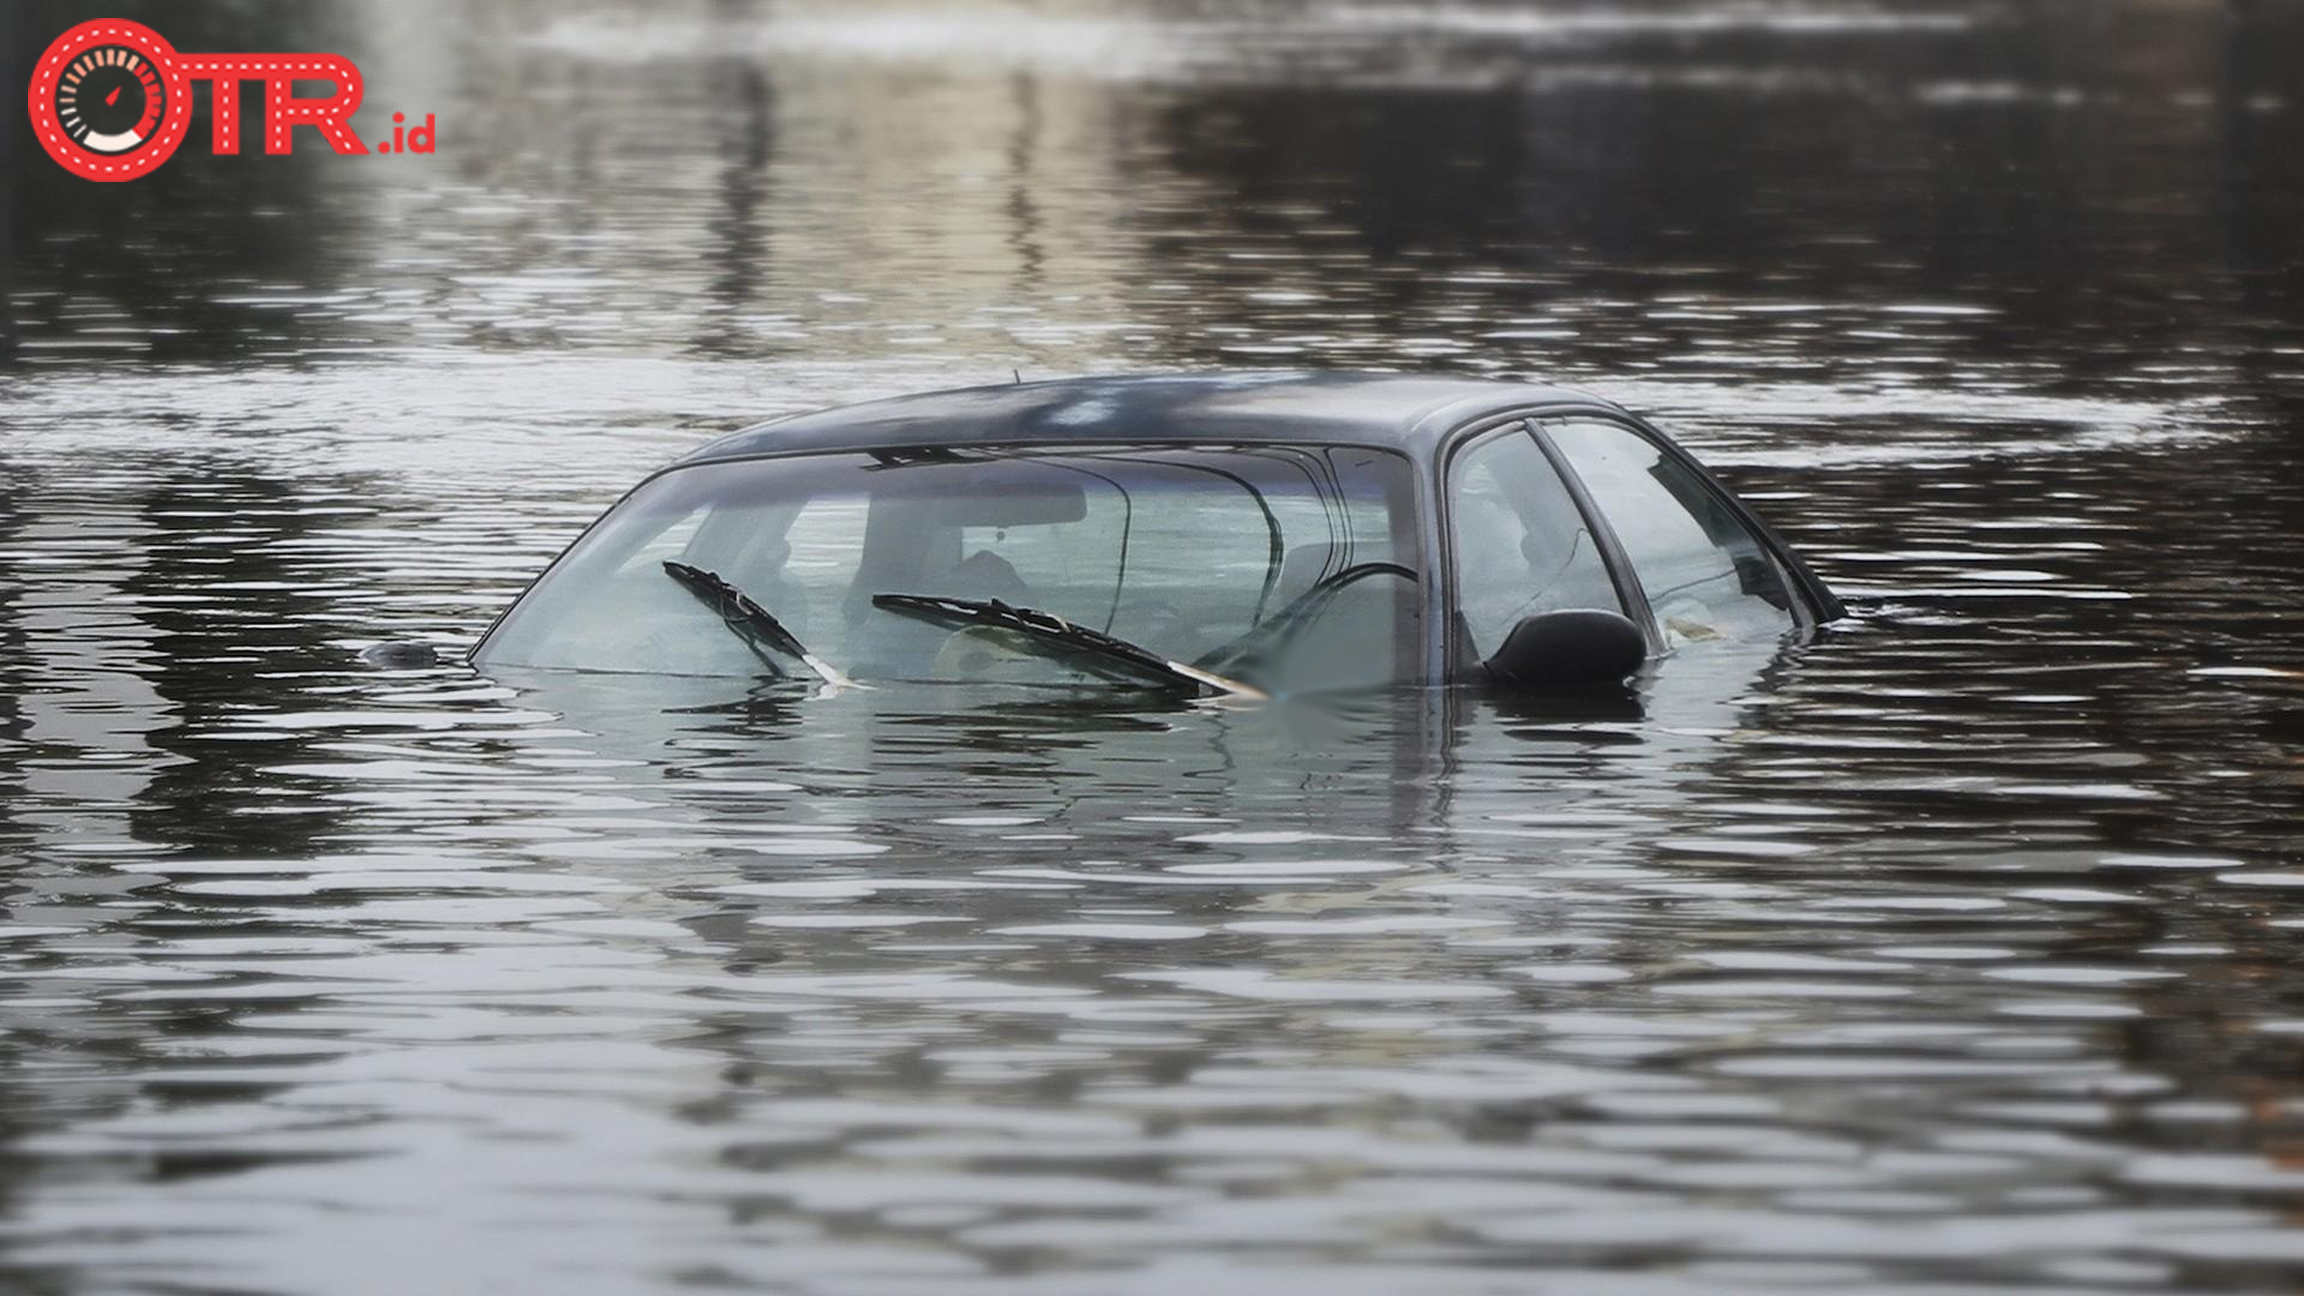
pixel 1018 375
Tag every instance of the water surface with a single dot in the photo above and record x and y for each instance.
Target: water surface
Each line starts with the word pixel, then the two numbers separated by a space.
pixel 1952 952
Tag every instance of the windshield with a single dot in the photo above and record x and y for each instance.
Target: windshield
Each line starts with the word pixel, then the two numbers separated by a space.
pixel 1293 567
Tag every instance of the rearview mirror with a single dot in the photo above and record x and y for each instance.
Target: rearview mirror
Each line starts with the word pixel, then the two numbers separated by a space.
pixel 1037 504
pixel 1580 648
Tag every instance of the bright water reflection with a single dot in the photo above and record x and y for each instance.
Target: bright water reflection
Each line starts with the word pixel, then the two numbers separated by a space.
pixel 1952 952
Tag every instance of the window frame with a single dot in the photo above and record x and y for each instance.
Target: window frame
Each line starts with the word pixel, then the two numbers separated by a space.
pixel 1457 651
pixel 1812 603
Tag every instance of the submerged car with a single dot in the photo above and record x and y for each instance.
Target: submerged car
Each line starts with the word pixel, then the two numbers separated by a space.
pixel 1249 534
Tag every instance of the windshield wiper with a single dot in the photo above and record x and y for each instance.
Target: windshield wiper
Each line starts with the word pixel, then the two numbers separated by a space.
pixel 757 624
pixel 1048 628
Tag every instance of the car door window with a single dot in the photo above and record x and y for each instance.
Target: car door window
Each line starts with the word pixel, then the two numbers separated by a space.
pixel 1521 545
pixel 1707 576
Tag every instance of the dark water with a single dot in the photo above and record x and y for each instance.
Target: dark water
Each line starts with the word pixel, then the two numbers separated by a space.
pixel 1957 951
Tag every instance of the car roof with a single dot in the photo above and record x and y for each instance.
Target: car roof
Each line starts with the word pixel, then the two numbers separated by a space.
pixel 1395 411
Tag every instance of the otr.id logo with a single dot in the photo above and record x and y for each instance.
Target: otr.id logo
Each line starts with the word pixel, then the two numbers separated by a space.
pixel 111 100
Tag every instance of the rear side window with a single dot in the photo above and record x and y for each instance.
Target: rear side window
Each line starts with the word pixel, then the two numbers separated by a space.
pixel 1521 545
pixel 1707 576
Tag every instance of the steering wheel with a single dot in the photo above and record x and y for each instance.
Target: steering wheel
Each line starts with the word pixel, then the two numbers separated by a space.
pixel 1151 619
pixel 1280 627
pixel 983 654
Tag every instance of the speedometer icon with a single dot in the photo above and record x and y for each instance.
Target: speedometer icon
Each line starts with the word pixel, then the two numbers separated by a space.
pixel 110 100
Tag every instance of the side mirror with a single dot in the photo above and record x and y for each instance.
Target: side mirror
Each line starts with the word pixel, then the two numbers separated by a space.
pixel 1581 648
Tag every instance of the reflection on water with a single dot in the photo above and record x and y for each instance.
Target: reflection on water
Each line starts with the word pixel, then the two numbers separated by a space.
pixel 1953 949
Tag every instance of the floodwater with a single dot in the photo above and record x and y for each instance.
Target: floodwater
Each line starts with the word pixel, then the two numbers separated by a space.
pixel 1961 950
